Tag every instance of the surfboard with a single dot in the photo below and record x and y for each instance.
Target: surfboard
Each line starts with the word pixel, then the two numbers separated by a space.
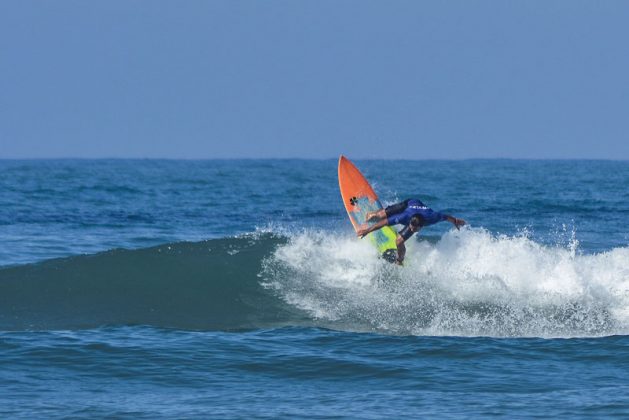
pixel 359 199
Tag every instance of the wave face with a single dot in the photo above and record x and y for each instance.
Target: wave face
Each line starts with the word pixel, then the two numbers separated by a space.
pixel 205 285
pixel 467 283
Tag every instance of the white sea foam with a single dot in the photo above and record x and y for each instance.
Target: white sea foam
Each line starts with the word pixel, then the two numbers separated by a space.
pixel 468 283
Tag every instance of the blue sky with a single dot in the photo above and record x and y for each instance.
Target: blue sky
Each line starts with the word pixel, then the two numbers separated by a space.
pixel 314 79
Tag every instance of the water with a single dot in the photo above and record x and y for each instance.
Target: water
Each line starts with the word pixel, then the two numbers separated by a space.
pixel 233 289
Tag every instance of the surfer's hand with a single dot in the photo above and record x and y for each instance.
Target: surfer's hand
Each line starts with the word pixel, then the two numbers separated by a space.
pixel 361 233
pixel 371 215
pixel 458 223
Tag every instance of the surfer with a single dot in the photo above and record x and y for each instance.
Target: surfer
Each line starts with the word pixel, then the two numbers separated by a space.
pixel 411 213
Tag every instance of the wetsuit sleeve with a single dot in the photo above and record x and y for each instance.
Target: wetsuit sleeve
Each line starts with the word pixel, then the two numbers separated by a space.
pixel 406 232
pixel 396 208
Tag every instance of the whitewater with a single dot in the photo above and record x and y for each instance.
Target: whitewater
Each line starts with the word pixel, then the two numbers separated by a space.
pixel 468 283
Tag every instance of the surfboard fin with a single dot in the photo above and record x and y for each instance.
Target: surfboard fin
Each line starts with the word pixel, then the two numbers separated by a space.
pixel 390 255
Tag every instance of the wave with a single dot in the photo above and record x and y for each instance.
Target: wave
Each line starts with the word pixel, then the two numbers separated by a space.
pixel 467 283
pixel 212 284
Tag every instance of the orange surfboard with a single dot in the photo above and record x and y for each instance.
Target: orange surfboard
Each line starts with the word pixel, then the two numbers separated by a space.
pixel 359 199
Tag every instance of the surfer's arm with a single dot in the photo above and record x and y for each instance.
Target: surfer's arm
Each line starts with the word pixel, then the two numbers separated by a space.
pixel 363 232
pixel 456 222
pixel 401 249
pixel 378 214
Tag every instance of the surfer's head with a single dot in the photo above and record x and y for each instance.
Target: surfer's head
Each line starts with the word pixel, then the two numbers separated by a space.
pixel 416 222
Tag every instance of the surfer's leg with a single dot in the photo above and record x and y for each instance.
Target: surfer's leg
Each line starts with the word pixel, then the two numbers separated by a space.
pixel 396 208
pixel 386 213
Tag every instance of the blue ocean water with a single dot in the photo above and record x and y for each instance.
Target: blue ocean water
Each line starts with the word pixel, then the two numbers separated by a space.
pixel 237 289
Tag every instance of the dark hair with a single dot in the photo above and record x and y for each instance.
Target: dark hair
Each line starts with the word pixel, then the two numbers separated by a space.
pixel 417 220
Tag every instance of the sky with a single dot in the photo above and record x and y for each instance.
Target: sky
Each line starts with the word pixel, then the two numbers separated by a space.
pixel 314 79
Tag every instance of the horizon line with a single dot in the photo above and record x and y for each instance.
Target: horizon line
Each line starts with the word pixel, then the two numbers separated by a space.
pixel 314 159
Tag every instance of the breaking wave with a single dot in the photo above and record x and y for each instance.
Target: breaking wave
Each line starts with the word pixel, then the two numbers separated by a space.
pixel 467 283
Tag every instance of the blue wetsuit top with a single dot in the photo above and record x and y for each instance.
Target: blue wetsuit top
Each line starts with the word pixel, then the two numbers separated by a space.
pixel 400 214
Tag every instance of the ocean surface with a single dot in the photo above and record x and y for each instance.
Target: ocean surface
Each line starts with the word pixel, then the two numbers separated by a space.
pixel 237 289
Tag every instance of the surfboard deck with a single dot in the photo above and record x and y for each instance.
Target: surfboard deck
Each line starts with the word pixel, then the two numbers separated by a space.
pixel 359 199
